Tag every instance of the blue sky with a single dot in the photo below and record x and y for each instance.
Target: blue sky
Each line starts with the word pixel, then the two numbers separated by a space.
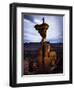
pixel 54 33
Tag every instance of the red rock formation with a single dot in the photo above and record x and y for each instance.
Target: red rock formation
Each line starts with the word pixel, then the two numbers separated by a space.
pixel 50 57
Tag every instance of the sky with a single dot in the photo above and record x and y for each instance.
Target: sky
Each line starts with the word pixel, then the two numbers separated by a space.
pixel 54 32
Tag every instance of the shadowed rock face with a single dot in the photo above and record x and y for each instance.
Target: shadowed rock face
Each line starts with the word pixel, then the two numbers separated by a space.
pixel 42 28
